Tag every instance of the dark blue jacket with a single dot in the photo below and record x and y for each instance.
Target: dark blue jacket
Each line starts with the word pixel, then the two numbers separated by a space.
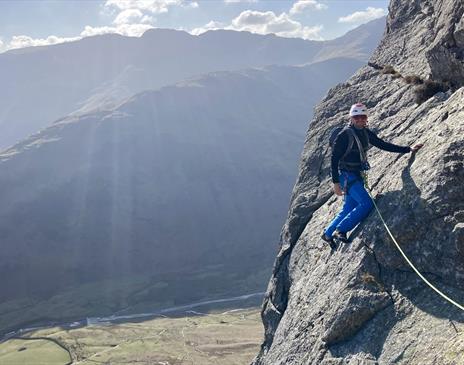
pixel 366 137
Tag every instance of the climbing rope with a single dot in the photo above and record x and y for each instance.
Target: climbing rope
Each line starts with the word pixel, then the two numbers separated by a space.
pixel 409 261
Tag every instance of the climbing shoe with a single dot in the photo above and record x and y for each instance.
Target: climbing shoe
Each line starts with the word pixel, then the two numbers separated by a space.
pixel 341 236
pixel 329 240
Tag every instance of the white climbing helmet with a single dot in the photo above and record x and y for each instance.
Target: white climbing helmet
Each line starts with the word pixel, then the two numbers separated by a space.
pixel 358 109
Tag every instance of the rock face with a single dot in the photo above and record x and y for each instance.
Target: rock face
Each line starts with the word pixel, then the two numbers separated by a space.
pixel 363 304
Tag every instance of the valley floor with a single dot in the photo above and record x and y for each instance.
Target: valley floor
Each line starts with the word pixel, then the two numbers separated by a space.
pixel 229 337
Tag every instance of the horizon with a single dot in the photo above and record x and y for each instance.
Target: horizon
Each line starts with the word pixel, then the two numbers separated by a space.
pixel 39 23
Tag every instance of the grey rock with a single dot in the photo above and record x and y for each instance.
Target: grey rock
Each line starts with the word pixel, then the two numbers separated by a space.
pixel 458 233
pixel 363 304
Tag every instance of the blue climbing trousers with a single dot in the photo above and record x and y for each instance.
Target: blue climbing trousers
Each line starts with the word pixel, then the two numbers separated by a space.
pixel 356 206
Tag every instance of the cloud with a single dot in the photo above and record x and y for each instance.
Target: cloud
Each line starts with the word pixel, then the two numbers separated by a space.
pixel 134 17
pixel 363 16
pixel 147 19
pixel 268 22
pixel 128 16
pixel 130 30
pixel 191 4
pixel 21 41
pixel 265 23
pixel 250 18
pixel 139 12
pixel 302 5
pixel 152 6
pixel 212 25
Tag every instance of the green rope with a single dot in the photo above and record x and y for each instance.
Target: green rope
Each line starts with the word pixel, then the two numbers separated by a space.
pixel 409 261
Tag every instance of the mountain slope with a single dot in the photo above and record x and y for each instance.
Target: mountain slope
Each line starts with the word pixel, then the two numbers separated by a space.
pixel 358 43
pixel 363 304
pixel 43 84
pixel 171 182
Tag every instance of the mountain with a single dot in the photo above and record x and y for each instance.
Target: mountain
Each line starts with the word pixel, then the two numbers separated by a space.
pixel 173 182
pixel 357 43
pixel 364 303
pixel 43 84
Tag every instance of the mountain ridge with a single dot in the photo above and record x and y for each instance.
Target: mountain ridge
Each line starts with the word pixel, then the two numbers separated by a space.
pixel 57 80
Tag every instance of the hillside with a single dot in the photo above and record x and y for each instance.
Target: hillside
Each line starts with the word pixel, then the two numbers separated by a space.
pixel 181 187
pixel 43 84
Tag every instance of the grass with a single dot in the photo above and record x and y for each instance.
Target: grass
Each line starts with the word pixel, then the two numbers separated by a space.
pixel 368 278
pixel 388 69
pixel 428 89
pixel 228 338
pixel 32 352
pixel 413 79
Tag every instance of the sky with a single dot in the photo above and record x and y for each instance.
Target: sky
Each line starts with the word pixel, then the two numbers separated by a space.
pixel 25 23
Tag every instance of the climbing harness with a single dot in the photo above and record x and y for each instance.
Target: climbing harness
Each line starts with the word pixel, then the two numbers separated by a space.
pixel 365 180
pixel 409 261
pixel 362 153
pixel 352 139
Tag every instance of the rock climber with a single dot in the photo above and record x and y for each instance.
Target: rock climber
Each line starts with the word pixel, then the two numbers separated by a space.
pixel 348 165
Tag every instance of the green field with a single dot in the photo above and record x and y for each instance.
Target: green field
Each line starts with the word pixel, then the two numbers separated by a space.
pixel 32 352
pixel 227 338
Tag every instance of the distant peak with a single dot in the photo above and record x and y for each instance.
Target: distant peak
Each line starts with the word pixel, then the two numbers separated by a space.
pixel 164 31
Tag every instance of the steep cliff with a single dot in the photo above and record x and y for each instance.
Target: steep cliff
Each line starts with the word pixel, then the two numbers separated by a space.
pixel 362 304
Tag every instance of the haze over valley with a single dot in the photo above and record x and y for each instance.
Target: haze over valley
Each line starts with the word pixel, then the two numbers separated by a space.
pixel 142 173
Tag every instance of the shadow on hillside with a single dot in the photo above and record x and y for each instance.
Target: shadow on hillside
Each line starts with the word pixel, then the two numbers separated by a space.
pixel 411 220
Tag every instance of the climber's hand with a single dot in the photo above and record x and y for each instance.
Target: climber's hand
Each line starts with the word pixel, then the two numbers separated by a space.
pixel 416 147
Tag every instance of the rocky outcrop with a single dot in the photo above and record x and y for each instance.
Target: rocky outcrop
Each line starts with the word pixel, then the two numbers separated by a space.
pixel 362 304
